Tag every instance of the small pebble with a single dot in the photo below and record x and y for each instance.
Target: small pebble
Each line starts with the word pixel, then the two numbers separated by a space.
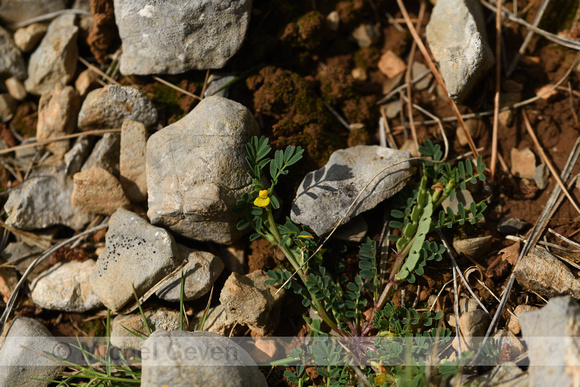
pixel 511 226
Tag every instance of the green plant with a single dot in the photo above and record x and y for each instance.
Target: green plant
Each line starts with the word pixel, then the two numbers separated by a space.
pixel 359 308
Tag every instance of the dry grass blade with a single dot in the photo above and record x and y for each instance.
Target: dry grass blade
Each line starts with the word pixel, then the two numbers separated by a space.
pixel 98 71
pixel 497 96
pixel 528 37
pixel 47 253
pixel 437 75
pixel 175 87
pixel 49 16
pixel 66 137
pixel 547 161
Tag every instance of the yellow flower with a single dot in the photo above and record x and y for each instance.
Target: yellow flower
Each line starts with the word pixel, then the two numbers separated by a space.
pixel 262 200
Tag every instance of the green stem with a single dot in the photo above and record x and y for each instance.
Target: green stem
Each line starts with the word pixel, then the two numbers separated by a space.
pixel 295 264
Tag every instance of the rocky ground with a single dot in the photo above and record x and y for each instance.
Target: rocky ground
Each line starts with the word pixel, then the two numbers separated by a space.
pixel 122 144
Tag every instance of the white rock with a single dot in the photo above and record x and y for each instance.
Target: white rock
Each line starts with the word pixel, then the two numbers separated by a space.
pixel 65 287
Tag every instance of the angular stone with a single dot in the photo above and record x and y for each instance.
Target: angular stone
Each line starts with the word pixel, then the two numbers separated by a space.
pixel 98 192
pixel 391 65
pixel 136 254
pixel 157 320
pixel 132 160
pixel 551 335
pixel 473 326
pixel 16 11
pixel 417 70
pixel 65 287
pixel 366 35
pixel 541 175
pixel 44 200
pixel 523 163
pixel 461 46
pixel 325 195
pixel 194 179
pixel 55 60
pixel 21 356
pixel 28 37
pixel 11 61
pixel 86 81
pixel 248 301
pixel 197 359
pixel 105 154
pixel 109 106
pixel 543 273
pixel 172 38
pixel 57 116
pixel 75 157
pixel 199 274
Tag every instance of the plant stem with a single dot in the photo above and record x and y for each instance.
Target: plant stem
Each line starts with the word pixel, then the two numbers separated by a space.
pixel 295 264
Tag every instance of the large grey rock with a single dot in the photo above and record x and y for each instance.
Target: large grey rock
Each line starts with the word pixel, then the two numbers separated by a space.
pixel 132 160
pixel 55 60
pixel 460 46
pixel 248 301
pixel 44 200
pixel 65 287
pixel 197 359
pixel 18 364
pixel 109 106
pixel 196 170
pixel 157 320
pixel 325 195
pixel 551 335
pixel 172 37
pixel 11 61
pixel 16 11
pixel 545 274
pixel 199 274
pixel 136 254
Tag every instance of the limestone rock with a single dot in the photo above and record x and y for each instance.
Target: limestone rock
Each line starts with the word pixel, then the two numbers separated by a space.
pixel 11 61
pixel 158 320
pixel 98 192
pixel 325 195
pixel 543 273
pixel 55 60
pixel 199 274
pixel 248 301
pixel 16 11
pixel 109 106
pixel 86 81
pixel 19 364
pixel 15 88
pixel 177 359
pixel 105 154
pixel 174 37
pixel 44 200
pixel 551 336
pixel 136 253
pixel 194 179
pixel 65 287
pixel 27 38
pixel 461 46
pixel 57 115
pixel 132 160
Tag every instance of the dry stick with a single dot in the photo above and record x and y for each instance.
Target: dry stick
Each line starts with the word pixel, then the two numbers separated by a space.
pixel 531 241
pixel 49 16
pixel 569 43
pixel 571 99
pixel 408 78
pixel 388 131
pixel 513 106
pixel 437 75
pixel 497 95
pixel 540 150
pixel 66 137
pixel 395 91
pixel 98 71
pixel 528 37
pixel 204 88
pixel 175 87
pixel 338 116
pixel 34 264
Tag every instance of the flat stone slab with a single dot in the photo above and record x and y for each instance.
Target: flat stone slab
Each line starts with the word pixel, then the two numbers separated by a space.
pixel 325 195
